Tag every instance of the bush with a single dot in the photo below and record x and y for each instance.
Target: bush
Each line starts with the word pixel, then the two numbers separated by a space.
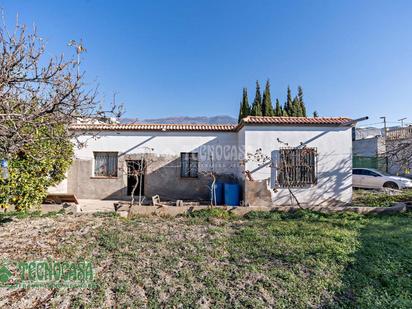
pixel 212 213
pixel 36 167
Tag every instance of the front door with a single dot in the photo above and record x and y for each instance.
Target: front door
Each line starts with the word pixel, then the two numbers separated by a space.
pixel 135 175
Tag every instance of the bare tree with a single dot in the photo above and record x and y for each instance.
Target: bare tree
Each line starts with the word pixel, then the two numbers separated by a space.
pixel 137 169
pixel 212 188
pixel 37 91
pixel 285 168
pixel 137 172
pixel 399 155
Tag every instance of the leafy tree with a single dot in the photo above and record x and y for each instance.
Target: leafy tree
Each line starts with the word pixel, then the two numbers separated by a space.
pixel 301 102
pixel 36 167
pixel 267 108
pixel 289 103
pixel 315 114
pixel 278 109
pixel 40 97
pixel 244 106
pixel 257 102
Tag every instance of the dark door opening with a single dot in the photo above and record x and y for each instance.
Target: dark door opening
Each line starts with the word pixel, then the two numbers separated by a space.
pixel 135 174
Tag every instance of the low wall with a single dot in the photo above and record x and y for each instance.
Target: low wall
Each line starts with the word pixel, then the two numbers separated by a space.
pixel 241 211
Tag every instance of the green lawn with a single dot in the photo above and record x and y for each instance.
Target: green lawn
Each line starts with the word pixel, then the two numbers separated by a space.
pixel 379 199
pixel 297 260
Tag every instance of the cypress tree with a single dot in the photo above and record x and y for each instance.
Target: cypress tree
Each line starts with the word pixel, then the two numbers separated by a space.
pixel 240 117
pixel 257 102
pixel 296 109
pixel 267 108
pixel 244 110
pixel 278 109
pixel 302 104
pixel 289 103
pixel 315 114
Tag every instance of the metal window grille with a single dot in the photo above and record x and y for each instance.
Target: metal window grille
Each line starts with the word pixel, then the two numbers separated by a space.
pixel 105 164
pixel 297 167
pixel 189 164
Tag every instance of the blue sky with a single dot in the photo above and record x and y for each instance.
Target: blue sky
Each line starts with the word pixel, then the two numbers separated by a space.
pixel 171 58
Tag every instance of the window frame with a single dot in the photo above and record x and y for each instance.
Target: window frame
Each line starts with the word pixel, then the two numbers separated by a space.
pixel 189 164
pixel 296 154
pixel 114 153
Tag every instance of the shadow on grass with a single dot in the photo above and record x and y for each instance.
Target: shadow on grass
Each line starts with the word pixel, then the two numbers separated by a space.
pixel 381 275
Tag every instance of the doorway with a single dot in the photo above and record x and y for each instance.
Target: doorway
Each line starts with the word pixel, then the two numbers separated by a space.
pixel 135 174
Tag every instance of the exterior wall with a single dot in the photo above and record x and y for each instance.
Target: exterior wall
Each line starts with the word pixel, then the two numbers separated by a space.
pixel 241 157
pixel 225 153
pixel 334 163
pixel 59 188
pixel 163 174
pixel 370 153
pixel 369 147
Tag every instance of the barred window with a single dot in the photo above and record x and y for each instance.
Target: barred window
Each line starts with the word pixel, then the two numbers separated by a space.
pixel 189 164
pixel 105 164
pixel 297 167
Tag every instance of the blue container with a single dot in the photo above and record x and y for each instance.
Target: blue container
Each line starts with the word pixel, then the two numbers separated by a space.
pixel 218 193
pixel 232 194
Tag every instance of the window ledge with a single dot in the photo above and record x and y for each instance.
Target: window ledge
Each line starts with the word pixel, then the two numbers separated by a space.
pixel 104 177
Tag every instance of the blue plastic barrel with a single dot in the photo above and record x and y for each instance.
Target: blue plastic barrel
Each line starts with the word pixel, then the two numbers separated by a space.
pixel 219 193
pixel 232 194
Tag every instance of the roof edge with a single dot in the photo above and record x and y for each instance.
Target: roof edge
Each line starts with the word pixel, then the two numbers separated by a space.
pixel 247 121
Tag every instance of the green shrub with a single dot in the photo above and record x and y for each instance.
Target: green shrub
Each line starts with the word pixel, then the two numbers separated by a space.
pixel 212 213
pixel 36 167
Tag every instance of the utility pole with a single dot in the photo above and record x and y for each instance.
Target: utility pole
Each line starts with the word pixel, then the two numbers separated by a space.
pixel 384 126
pixel 401 120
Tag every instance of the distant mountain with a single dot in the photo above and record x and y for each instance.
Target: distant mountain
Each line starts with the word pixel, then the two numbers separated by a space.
pixel 184 119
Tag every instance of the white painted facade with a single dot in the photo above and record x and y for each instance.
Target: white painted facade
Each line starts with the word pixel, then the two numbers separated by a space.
pixel 334 163
pixel 225 152
pixel 206 144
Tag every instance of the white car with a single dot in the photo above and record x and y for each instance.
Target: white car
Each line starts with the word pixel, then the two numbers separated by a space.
pixel 369 178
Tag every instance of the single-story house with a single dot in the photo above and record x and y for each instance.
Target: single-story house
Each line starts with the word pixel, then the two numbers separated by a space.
pixel 272 158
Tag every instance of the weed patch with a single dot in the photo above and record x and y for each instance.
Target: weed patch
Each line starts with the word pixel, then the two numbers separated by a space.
pixel 379 199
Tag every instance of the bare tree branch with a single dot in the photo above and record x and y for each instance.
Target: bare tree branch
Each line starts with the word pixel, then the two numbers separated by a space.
pixel 36 91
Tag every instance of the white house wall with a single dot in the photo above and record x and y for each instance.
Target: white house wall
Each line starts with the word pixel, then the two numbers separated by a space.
pixel 225 154
pixel 334 148
pixel 217 151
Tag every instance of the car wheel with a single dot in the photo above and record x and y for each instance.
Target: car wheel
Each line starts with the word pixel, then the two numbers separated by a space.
pixel 390 185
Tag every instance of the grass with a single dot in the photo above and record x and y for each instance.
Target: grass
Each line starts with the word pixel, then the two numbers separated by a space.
pixel 379 199
pixel 281 260
pixel 6 217
pixel 218 213
pixel 269 259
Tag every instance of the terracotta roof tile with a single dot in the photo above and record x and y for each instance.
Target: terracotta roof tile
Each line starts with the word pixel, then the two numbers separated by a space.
pixel 154 127
pixel 295 120
pixel 250 120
